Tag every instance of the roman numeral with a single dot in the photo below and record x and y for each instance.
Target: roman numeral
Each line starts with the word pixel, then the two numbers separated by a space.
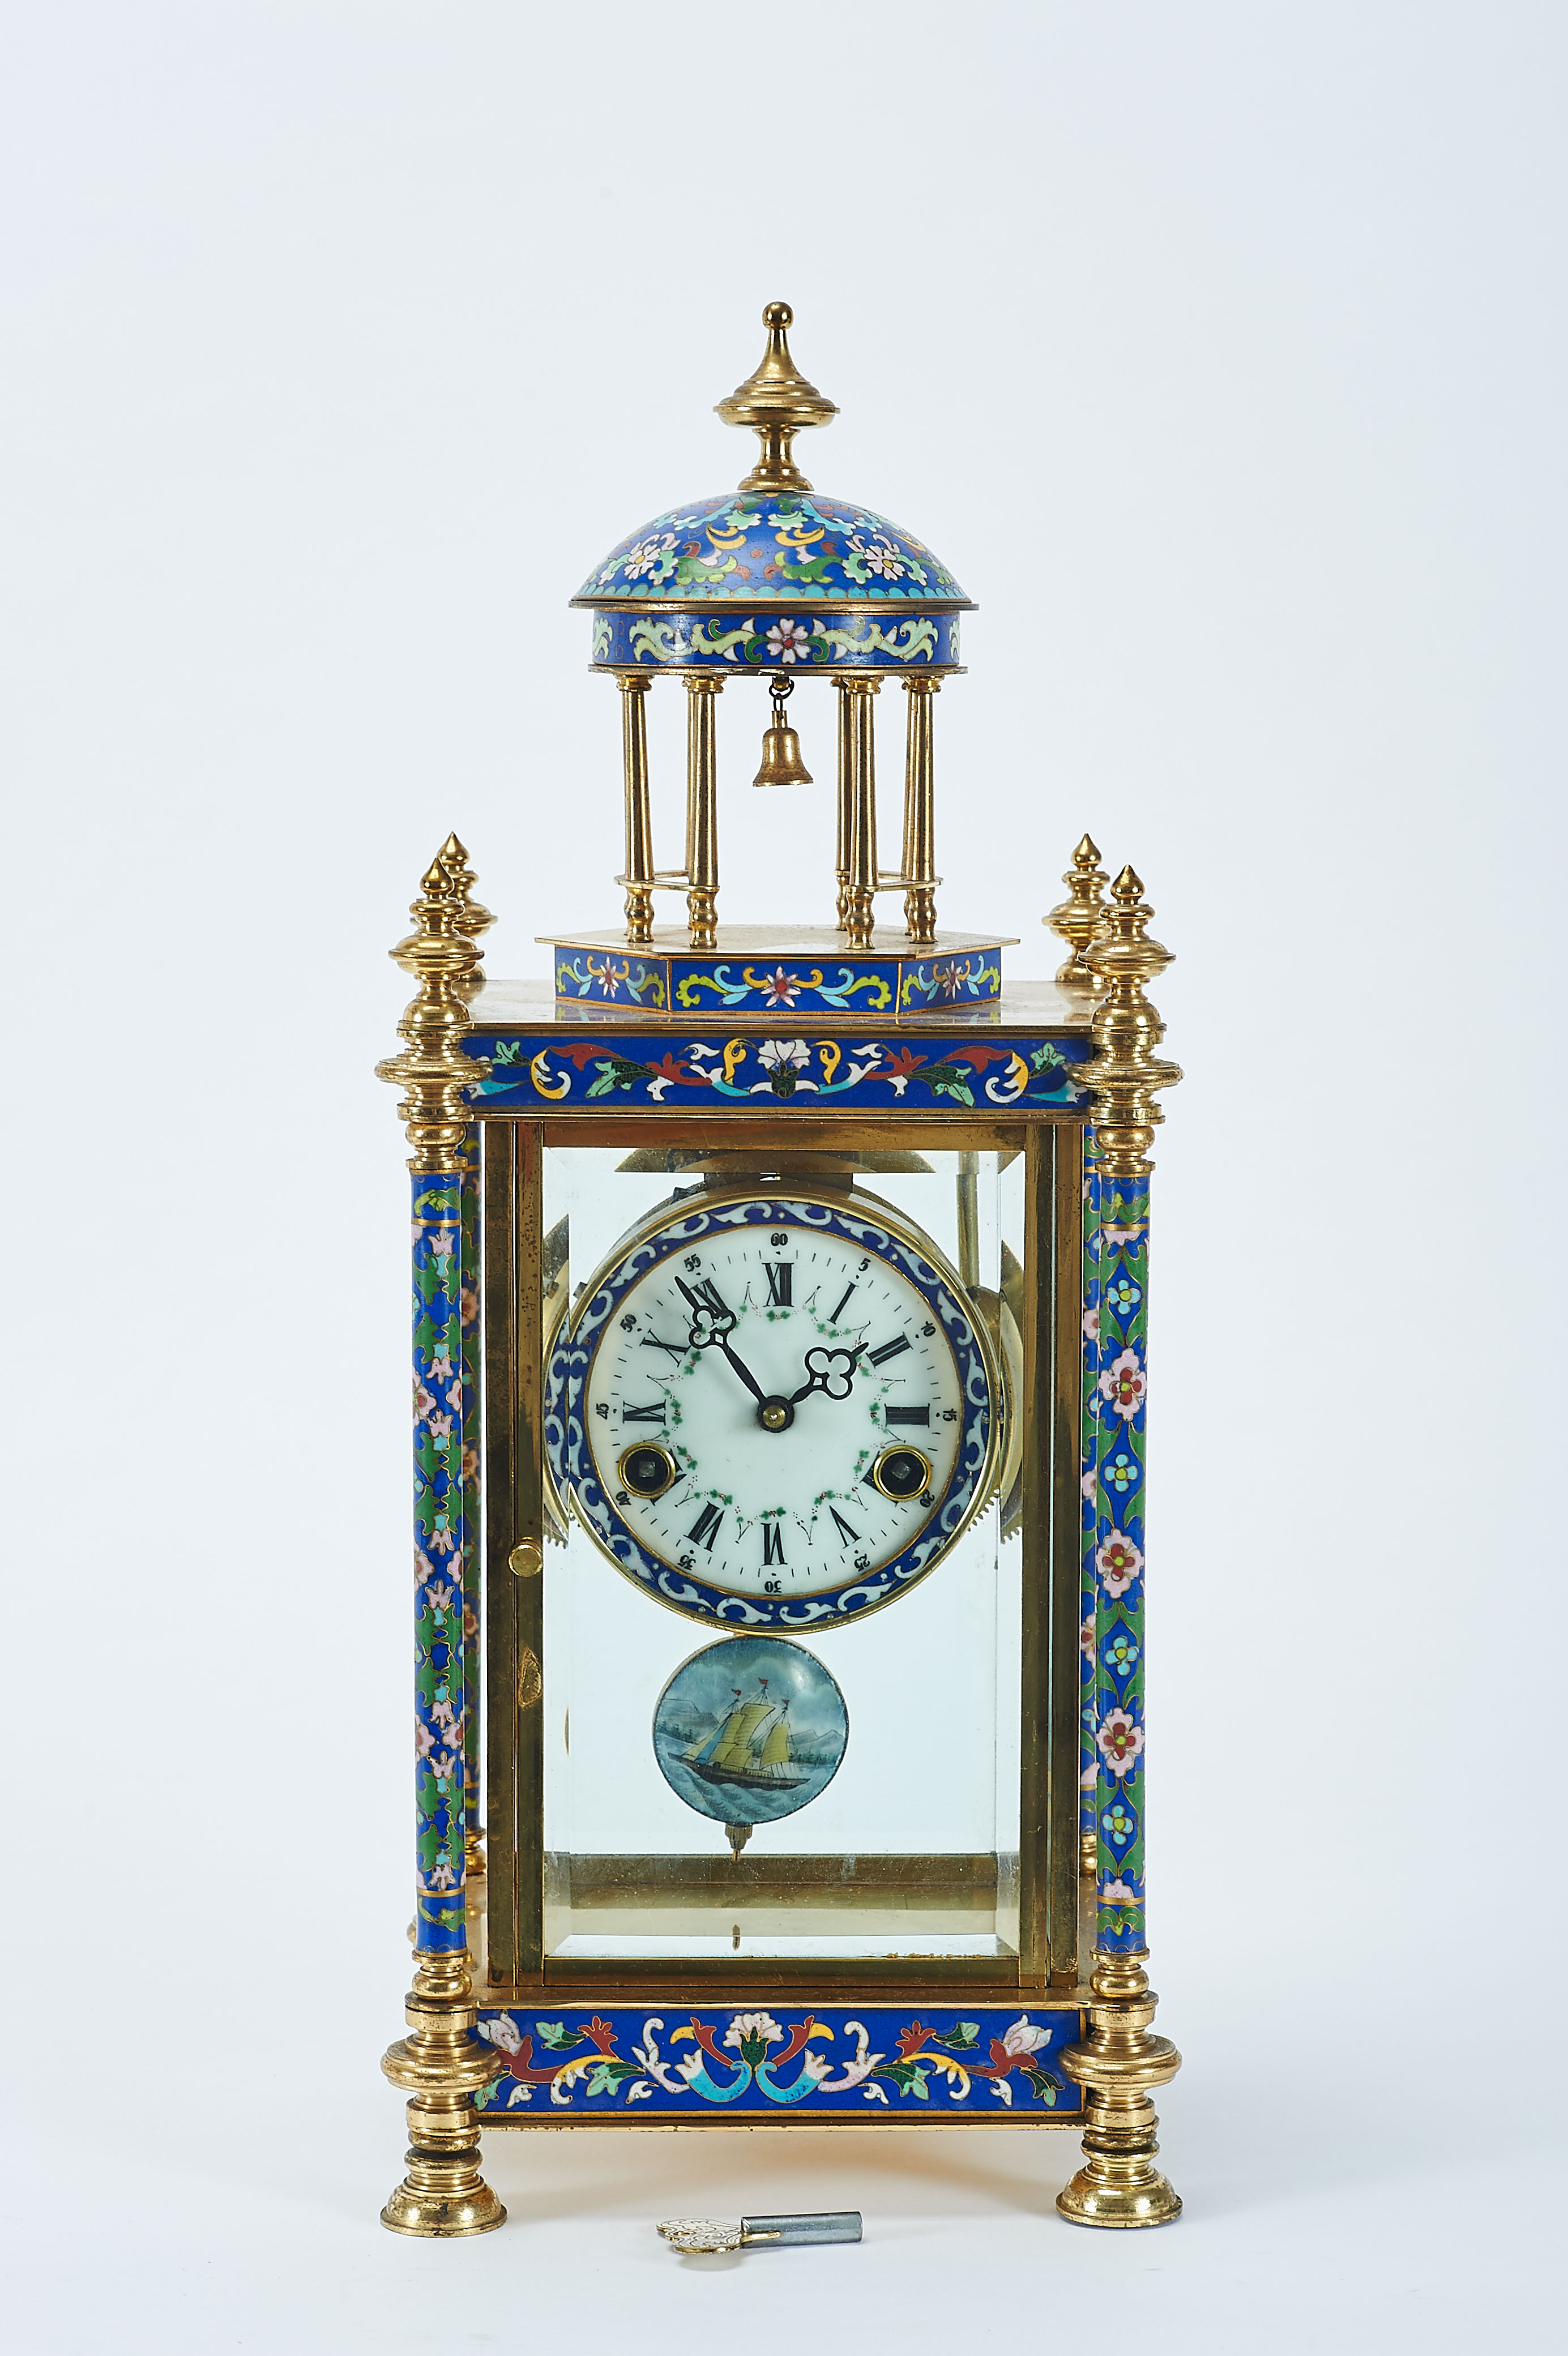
pixel 772 1542
pixel 921 1415
pixel 673 1349
pixel 889 1349
pixel 834 1314
pixel 842 1527
pixel 654 1414
pixel 781 1282
pixel 705 1295
pixel 705 1528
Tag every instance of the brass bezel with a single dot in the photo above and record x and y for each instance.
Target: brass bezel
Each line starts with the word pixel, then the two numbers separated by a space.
pixel 646 1448
pixel 899 1448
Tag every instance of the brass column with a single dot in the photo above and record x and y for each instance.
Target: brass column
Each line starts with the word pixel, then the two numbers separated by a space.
pixel 701 811
pixel 919 815
pixel 862 748
pixel 639 877
pixel 846 726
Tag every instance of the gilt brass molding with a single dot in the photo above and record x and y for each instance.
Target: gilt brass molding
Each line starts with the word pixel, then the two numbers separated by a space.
pixel 431 1069
pixel 1118 2064
pixel 1124 1072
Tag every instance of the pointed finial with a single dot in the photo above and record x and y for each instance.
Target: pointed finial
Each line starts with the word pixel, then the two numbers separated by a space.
pixel 432 1069
pixel 1125 1071
pixel 469 918
pixel 775 400
pixel 1080 917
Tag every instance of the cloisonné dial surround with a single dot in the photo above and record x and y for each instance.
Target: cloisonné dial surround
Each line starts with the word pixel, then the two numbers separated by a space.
pixel 806 1371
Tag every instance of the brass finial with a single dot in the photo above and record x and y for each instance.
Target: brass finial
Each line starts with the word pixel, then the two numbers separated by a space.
pixel 775 400
pixel 470 919
pixel 1125 1071
pixel 1080 917
pixel 432 1070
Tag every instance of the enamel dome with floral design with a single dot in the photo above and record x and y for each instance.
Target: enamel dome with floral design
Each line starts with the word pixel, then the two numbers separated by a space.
pixel 800 580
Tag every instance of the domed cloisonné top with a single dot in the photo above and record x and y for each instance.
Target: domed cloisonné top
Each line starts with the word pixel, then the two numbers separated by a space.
pixel 803 580
pixel 780 556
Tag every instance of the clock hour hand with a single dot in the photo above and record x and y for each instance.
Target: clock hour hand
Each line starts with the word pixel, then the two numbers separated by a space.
pixel 829 1371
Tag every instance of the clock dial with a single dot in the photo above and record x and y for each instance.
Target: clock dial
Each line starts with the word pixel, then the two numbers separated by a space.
pixel 775 1408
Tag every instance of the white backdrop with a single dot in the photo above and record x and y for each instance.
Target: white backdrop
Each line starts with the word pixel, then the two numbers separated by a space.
pixel 1218 349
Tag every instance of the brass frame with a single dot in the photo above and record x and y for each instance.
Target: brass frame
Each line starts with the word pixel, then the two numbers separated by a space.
pixel 1052 1958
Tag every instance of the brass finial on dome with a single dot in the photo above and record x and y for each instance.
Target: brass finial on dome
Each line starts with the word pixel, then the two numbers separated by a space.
pixel 775 400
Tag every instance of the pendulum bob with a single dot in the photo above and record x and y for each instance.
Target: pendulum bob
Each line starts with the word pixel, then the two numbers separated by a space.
pixel 781 764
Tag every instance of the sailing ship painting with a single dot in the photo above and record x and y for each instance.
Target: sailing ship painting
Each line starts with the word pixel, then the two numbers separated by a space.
pixel 750 1729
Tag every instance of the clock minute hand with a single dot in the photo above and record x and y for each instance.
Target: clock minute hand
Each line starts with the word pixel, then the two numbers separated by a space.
pixel 829 1371
pixel 712 1322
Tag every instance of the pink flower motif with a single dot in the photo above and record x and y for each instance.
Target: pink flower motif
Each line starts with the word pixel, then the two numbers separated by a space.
pixel 1120 1738
pixel 424 1401
pixel 783 989
pixel 502 2031
pixel 441 1595
pixel 1092 1325
pixel 1023 2036
pixel 789 642
pixel 425 1740
pixel 441 1877
pixel 1118 1561
pixel 1090 1484
pixel 1089 1778
pixel 441 1368
pixel 1117 1893
pixel 440 1426
pixel 1086 1638
pixel 441 1540
pixel 1122 1235
pixel 1125 1384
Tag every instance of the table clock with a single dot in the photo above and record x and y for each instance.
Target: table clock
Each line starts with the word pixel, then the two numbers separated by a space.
pixel 780 1396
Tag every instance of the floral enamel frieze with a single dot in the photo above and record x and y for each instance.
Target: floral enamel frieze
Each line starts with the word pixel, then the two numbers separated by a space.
pixel 997 2064
pixel 769 641
pixel 849 983
pixel 803 1074
pixel 441 1555
pixel 1116 1418
pixel 743 547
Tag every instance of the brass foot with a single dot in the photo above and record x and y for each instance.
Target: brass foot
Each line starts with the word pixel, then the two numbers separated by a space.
pixel 441 2066
pixel 1119 2183
pixel 702 918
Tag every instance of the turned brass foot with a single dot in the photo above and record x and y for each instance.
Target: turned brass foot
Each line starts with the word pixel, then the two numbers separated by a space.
pixel 441 2066
pixel 1119 2183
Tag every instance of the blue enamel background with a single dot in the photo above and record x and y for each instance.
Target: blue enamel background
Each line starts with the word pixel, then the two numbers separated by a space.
pixel 748 547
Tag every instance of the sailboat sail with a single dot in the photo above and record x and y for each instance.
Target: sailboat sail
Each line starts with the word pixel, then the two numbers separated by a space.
pixel 750 1747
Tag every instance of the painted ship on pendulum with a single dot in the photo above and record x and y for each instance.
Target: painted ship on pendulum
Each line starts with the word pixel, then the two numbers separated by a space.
pixel 749 1751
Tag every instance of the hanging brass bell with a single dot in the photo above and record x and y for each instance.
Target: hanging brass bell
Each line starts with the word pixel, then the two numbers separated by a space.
pixel 781 761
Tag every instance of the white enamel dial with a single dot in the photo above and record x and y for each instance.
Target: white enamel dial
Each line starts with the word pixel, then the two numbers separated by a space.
pixel 779 1410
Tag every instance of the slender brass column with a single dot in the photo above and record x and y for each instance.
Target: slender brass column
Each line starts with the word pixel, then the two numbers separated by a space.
pixel 701 811
pixel 845 770
pixel 863 870
pixel 639 877
pixel 919 815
